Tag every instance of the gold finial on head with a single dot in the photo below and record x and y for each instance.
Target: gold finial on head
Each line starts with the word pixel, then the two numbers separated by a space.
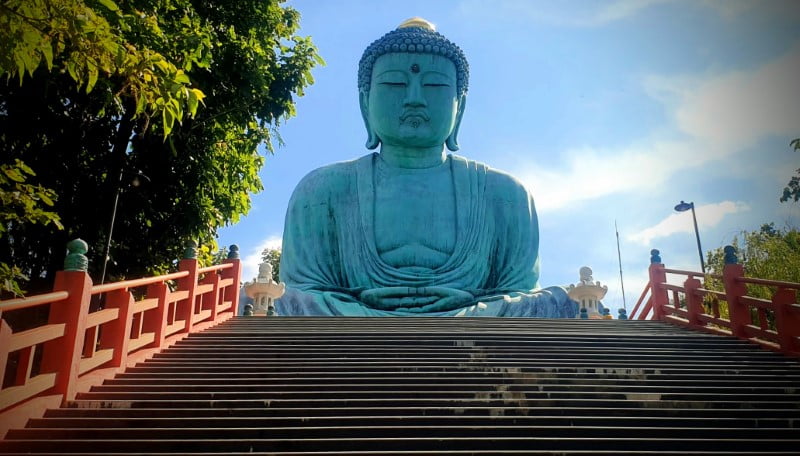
pixel 418 22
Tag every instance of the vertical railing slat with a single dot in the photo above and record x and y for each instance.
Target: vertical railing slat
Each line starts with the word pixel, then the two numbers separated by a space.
pixel 116 334
pixel 787 320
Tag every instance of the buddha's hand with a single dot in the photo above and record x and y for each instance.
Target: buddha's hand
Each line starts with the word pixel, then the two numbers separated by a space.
pixel 411 298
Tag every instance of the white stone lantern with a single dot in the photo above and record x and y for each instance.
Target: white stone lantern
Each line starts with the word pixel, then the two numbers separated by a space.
pixel 588 294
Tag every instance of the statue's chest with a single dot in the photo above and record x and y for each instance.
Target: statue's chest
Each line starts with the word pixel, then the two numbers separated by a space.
pixel 415 218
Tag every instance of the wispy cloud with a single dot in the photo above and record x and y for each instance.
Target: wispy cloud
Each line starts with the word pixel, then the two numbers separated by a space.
pixel 708 216
pixel 596 172
pixel 717 117
pixel 571 14
pixel 730 9
pixel 733 110
pixel 251 261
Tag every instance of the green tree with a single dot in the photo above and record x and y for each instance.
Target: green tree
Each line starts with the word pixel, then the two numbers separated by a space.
pixel 792 189
pixel 273 257
pixel 768 253
pixel 21 203
pixel 87 132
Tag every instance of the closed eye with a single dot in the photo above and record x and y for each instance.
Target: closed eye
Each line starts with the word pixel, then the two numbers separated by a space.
pixel 394 84
pixel 436 85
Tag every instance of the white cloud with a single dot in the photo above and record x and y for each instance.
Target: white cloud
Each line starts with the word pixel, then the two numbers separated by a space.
pixel 597 172
pixel 733 110
pixel 720 116
pixel 731 9
pixel 708 216
pixel 620 9
pixel 573 14
pixel 251 261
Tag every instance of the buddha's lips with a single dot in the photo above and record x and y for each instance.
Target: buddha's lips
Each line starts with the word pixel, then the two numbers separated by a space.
pixel 410 114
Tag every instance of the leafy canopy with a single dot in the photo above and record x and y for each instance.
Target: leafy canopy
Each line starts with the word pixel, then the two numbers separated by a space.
pixel 792 190
pixel 219 77
pixel 768 253
pixel 273 257
pixel 21 203
pixel 89 42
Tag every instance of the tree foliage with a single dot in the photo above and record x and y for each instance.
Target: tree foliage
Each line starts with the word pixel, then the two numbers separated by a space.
pixel 792 190
pixel 77 39
pixel 21 203
pixel 86 82
pixel 273 257
pixel 768 253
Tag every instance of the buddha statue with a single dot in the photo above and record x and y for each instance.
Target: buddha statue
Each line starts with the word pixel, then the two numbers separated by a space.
pixel 411 229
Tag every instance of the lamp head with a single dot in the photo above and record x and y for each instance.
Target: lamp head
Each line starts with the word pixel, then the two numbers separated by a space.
pixel 683 206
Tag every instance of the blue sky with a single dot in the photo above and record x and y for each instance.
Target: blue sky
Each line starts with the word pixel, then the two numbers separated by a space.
pixel 607 111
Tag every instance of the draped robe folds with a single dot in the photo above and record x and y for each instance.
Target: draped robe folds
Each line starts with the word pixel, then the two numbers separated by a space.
pixel 331 265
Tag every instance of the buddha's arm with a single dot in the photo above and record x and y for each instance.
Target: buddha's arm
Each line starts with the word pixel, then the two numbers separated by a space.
pixel 516 263
pixel 310 253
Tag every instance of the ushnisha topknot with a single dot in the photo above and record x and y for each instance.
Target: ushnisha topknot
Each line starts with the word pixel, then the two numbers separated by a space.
pixel 419 36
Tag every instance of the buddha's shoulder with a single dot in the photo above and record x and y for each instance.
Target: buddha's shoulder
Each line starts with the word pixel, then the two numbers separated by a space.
pixel 333 178
pixel 497 181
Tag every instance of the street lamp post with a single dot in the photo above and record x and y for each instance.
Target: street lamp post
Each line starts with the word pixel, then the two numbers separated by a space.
pixel 683 207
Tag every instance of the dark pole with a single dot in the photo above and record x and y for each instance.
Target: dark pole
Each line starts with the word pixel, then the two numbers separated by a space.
pixel 111 229
pixel 697 234
pixel 619 257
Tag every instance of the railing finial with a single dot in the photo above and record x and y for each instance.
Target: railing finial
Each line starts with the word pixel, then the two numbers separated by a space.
pixel 76 259
pixel 233 252
pixel 655 256
pixel 191 250
pixel 730 254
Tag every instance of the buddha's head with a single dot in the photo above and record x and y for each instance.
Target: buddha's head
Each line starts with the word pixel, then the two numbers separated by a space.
pixel 412 87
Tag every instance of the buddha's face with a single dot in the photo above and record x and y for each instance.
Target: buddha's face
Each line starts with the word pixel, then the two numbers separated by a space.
pixel 412 99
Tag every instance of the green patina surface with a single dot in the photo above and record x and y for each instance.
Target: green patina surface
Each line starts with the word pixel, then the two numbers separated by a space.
pixel 413 229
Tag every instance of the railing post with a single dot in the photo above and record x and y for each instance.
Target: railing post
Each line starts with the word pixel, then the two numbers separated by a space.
pixel 787 320
pixel 210 300
pixel 185 310
pixel 235 272
pixel 694 305
pixel 116 333
pixel 63 355
pixel 734 290
pixel 155 321
pixel 657 291
pixel 5 340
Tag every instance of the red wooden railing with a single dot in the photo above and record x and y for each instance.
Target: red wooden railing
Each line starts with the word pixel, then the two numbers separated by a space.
pixel 77 347
pixel 680 297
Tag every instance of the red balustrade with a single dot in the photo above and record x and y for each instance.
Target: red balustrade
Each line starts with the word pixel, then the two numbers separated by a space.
pixel 78 348
pixel 680 297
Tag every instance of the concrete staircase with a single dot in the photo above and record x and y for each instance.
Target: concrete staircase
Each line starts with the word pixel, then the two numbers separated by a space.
pixel 398 386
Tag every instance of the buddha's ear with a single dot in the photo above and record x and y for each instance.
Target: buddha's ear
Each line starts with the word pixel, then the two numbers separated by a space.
pixel 452 140
pixel 372 137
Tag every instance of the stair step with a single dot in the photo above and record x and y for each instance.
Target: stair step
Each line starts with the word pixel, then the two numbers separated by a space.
pixel 440 444
pixel 492 385
pixel 411 420
pixel 305 403
pixel 94 409
pixel 364 430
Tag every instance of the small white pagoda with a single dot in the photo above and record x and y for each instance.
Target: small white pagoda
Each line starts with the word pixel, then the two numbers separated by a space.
pixel 264 291
pixel 588 294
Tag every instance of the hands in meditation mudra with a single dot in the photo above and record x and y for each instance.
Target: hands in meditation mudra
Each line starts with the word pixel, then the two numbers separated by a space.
pixel 412 230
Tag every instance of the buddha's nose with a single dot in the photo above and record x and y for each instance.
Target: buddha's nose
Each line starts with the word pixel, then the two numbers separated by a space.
pixel 414 96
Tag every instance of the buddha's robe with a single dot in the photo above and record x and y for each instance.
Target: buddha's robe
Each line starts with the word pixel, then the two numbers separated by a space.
pixel 331 265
